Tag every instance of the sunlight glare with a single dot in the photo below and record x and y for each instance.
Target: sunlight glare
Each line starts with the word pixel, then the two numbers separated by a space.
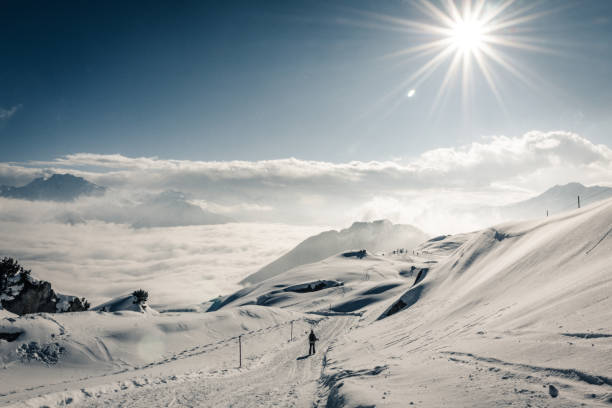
pixel 467 35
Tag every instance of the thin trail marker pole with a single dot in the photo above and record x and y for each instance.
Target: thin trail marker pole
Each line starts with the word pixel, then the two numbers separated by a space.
pixel 240 351
pixel 578 201
pixel 547 213
pixel 291 339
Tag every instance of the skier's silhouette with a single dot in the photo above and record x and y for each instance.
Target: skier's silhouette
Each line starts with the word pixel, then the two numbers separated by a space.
pixel 311 339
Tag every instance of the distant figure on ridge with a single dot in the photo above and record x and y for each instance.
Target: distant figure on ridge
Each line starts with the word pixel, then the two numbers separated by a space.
pixel 311 339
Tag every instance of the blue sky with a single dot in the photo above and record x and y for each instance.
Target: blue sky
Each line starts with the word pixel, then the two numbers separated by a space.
pixel 222 80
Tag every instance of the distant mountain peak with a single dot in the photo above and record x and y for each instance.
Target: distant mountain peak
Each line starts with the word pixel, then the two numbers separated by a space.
pixel 170 195
pixel 55 187
pixel 556 199
pixel 171 208
pixel 567 187
pixel 574 188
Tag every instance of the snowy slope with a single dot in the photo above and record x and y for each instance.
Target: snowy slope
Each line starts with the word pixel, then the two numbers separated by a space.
pixel 517 308
pixel 556 199
pixel 341 283
pixel 5 313
pixel 373 236
pixel 518 314
pixel 104 350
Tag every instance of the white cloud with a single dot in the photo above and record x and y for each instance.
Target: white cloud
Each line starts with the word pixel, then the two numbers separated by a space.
pixel 6 114
pixel 301 191
pixel 16 174
pixel 501 156
pixel 241 208
pixel 505 158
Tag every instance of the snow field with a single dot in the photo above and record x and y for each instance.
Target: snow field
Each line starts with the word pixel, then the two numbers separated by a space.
pixel 517 314
pixel 514 310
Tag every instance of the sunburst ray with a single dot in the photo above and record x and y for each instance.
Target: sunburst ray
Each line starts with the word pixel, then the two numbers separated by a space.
pixel 468 35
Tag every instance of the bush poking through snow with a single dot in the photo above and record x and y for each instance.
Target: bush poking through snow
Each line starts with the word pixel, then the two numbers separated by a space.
pixel 9 271
pixel 45 353
pixel 141 297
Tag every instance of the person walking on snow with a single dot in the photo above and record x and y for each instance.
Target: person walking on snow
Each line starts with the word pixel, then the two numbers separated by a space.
pixel 311 339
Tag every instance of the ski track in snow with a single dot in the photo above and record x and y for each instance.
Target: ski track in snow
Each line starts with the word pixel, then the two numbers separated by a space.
pixel 283 376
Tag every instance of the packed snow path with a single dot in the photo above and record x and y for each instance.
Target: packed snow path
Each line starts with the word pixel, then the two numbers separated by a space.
pixel 285 376
pixel 275 373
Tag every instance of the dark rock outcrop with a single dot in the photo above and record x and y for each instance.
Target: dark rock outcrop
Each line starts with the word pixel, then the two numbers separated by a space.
pixel 31 299
pixel 10 336
pixel 313 286
pixel 38 297
pixel 21 294
pixel 357 254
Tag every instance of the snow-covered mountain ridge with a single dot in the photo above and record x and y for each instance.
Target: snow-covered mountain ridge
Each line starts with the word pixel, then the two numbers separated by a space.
pixel 515 310
pixel 373 236
pixel 530 302
pixel 555 200
pixel 515 314
pixel 57 187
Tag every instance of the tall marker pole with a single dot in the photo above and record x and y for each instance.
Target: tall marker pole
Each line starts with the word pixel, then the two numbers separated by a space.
pixel 578 201
pixel 240 350
pixel 291 331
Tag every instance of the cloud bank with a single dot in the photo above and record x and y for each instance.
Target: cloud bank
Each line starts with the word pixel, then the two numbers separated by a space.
pixel 497 170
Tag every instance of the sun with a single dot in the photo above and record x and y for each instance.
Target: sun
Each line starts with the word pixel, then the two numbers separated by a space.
pixel 468 35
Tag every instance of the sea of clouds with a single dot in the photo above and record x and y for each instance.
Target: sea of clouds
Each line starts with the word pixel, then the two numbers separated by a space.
pixel 178 265
pixel 88 247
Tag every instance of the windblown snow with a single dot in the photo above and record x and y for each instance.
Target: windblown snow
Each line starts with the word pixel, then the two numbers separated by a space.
pixel 516 314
